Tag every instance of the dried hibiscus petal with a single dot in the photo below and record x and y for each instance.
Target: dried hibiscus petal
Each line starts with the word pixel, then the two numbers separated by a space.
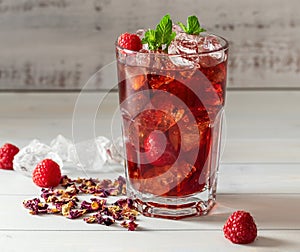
pixel 98 218
pixel 46 193
pixel 65 201
pixel 128 203
pixel 90 219
pixel 71 190
pixel 93 206
pixel 131 225
pixel 102 193
pixel 108 221
pixel 35 206
pixel 53 210
pixel 76 213
pixel 65 181
pixel 66 208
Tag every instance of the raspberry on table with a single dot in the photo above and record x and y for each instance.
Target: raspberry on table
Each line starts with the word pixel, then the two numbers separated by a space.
pixel 46 174
pixel 7 154
pixel 240 228
pixel 130 41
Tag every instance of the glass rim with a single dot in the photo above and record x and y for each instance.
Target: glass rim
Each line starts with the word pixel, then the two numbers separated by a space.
pixel 223 48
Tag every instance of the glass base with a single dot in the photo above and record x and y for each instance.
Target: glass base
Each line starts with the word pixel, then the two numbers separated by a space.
pixel 176 208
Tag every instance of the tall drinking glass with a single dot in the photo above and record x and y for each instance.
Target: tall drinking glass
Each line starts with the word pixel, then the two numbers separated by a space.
pixel 172 107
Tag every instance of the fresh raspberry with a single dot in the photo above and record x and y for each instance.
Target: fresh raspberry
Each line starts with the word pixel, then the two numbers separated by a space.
pixel 130 41
pixel 154 145
pixel 240 228
pixel 46 174
pixel 7 153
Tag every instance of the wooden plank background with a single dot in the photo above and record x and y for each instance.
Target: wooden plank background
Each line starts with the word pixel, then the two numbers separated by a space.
pixel 59 44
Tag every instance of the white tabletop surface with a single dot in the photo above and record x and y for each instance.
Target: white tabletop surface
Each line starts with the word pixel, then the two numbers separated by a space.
pixel 259 172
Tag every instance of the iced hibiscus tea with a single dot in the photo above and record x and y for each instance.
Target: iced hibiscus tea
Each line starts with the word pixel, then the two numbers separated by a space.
pixel 172 107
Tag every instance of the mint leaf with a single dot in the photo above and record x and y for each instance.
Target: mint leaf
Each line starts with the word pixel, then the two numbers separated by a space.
pixel 162 36
pixel 183 27
pixel 164 30
pixel 193 26
pixel 172 36
pixel 150 39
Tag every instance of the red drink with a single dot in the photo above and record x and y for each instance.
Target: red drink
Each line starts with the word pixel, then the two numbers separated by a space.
pixel 172 107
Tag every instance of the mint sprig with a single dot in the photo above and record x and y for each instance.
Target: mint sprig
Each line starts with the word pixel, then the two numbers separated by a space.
pixel 161 37
pixel 192 27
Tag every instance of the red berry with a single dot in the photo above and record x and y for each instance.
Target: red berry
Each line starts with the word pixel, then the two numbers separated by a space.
pixel 155 145
pixel 7 154
pixel 130 41
pixel 47 174
pixel 240 228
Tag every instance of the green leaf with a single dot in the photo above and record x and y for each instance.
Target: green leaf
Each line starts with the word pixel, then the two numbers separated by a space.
pixel 150 39
pixel 163 34
pixel 172 36
pixel 164 30
pixel 183 27
pixel 193 26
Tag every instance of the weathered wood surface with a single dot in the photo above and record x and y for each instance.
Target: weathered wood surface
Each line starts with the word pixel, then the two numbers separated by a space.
pixel 59 44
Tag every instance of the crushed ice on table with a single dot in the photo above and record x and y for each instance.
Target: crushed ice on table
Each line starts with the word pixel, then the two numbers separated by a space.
pixel 62 146
pixel 90 155
pixel 116 151
pixel 29 156
pixel 110 151
pixel 93 154
pixel 87 155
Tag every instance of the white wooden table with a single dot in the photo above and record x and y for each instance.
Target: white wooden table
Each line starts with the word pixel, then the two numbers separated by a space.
pixel 260 173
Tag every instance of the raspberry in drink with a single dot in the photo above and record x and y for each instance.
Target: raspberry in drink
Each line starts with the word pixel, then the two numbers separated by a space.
pixel 172 93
